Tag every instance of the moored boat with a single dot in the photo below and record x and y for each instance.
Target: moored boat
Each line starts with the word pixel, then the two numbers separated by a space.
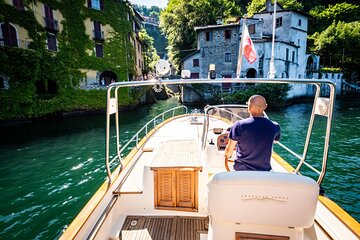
pixel 174 183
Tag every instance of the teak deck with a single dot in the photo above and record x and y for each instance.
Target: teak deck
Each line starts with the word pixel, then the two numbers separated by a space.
pixel 163 228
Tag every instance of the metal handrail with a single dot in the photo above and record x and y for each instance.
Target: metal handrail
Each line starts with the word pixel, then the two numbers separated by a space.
pixel 112 108
pixel 135 137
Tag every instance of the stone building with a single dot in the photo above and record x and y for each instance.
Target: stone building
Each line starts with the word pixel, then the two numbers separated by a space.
pixel 219 45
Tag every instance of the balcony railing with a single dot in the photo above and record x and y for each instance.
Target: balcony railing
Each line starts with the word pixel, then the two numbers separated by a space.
pixel 98 35
pixel 51 24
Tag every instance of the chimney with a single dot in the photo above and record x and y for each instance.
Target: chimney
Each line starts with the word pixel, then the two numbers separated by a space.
pixel 219 21
pixel 268 5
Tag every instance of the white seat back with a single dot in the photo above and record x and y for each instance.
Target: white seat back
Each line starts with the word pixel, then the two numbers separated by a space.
pixel 261 198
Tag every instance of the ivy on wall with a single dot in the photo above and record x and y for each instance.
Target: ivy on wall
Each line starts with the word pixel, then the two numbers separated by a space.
pixel 28 68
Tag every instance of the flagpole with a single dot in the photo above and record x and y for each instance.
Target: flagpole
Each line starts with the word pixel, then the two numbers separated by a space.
pixel 239 63
pixel 272 70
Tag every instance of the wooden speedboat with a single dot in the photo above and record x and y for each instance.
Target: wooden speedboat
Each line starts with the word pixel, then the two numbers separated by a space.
pixel 174 184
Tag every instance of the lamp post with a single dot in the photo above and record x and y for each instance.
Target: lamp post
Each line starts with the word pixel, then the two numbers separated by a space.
pixel 272 70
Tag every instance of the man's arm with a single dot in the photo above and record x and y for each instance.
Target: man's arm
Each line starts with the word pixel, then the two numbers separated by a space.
pixel 230 148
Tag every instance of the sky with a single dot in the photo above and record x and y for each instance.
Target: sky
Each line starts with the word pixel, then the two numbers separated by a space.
pixel 149 3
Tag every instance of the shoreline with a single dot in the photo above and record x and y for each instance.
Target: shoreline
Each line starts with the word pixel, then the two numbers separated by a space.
pixel 84 112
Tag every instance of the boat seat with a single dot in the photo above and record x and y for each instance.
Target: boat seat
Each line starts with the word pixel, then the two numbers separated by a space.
pixel 270 203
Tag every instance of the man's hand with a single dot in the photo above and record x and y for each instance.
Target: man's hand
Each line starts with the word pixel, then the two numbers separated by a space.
pixel 230 148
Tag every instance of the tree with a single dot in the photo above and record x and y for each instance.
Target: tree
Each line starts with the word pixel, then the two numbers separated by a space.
pixel 322 16
pixel 178 20
pixel 152 11
pixel 340 45
pixel 150 56
pixel 259 5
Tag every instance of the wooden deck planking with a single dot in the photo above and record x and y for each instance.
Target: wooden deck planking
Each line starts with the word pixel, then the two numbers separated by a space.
pixel 164 228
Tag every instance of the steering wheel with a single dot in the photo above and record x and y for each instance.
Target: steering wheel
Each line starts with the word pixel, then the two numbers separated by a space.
pixel 227 160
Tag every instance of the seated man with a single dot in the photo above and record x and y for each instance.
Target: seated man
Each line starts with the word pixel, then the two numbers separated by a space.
pixel 253 138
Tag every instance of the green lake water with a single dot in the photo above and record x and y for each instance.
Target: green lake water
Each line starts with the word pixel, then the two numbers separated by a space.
pixel 50 169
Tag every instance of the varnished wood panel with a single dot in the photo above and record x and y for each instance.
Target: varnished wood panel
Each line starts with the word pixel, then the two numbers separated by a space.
pixel 165 188
pixel 163 228
pixel 176 188
pixel 185 189
pixel 253 236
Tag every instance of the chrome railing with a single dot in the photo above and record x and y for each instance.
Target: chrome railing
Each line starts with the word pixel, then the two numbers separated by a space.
pixel 153 122
pixel 143 133
pixel 322 106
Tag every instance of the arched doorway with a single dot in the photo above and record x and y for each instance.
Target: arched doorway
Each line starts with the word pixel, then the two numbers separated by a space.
pixel 310 63
pixel 251 73
pixel 9 35
pixel 107 77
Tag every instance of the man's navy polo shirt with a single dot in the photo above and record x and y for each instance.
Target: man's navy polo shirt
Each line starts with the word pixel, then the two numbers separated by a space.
pixel 255 136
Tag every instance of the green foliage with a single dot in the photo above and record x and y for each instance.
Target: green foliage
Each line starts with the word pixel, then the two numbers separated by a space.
pixel 331 70
pixel 275 94
pixel 322 16
pixel 340 41
pixel 152 11
pixel 259 5
pixel 27 69
pixel 151 56
pixel 19 99
pixel 178 20
pixel 159 39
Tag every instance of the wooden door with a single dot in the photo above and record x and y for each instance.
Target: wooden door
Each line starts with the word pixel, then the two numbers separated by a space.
pixel 165 183
pixel 185 192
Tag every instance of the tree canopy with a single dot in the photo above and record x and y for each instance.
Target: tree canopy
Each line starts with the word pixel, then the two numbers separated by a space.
pixel 259 5
pixel 339 45
pixel 150 55
pixel 152 11
pixel 322 16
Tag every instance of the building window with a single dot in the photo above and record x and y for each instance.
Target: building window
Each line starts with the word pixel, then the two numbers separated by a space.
pixel 287 54
pixel 194 75
pixel 50 22
pixel 98 34
pixel 293 56
pixel 9 37
pixel 209 36
pixel 195 62
pixel 279 22
pixel 99 50
pixel 227 34
pixel 96 4
pixel 19 4
pixel 251 29
pixel 51 42
pixel 227 57
pixel 299 22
